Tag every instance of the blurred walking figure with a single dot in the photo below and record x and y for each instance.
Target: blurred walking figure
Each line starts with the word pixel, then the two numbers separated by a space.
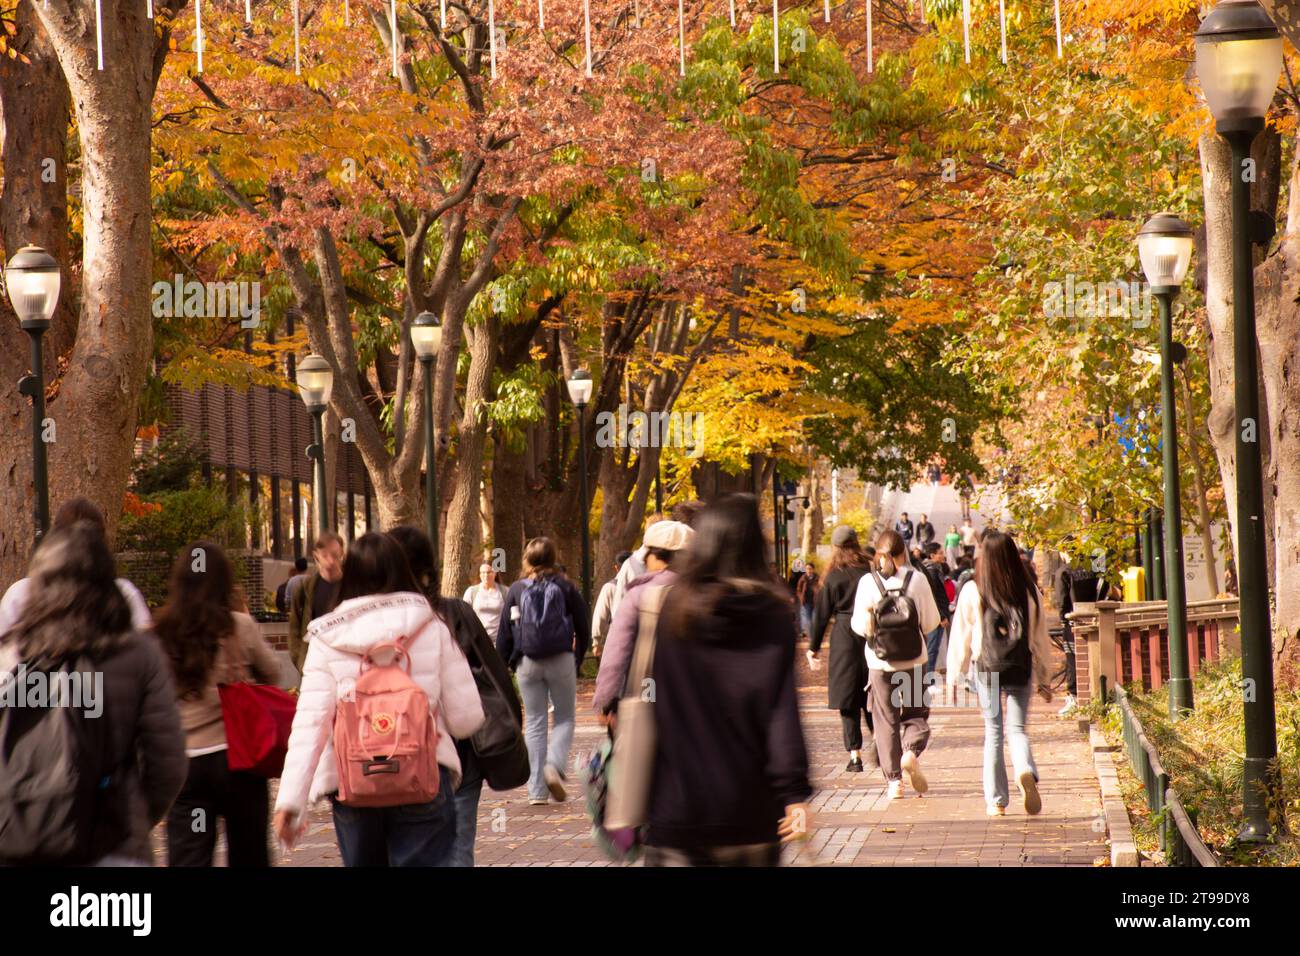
pixel 379 604
pixel 603 614
pixel 925 533
pixel 544 634
pixel 894 609
pixel 119 758
pixel 317 595
pixel 501 735
pixel 208 643
pixel 487 598
pixel 664 544
pixel 952 546
pixel 806 592
pixel 731 772
pixel 847 678
pixel 1001 626
pixel 70 512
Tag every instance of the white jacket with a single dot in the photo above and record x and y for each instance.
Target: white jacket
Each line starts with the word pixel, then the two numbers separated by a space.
pixel 335 645
pixel 966 639
pixel 868 596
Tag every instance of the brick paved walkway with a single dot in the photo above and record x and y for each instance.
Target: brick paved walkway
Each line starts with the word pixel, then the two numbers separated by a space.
pixel 852 822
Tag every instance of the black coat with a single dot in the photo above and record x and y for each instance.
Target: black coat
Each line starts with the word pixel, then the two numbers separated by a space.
pixel 846 677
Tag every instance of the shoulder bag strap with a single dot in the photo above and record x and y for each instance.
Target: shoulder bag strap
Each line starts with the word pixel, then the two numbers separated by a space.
pixel 648 621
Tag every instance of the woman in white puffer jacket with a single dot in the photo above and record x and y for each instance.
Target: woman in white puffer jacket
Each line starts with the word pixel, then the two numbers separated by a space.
pixel 379 602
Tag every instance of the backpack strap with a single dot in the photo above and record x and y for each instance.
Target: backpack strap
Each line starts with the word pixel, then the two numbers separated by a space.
pixel 401 646
pixel 907 581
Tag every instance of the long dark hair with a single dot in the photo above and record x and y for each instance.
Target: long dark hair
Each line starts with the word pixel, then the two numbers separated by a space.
pixel 848 555
pixel 198 614
pixel 74 605
pixel 727 554
pixel 1000 575
pixel 417 547
pixel 375 564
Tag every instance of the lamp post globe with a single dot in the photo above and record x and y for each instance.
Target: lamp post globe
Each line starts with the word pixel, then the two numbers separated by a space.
pixel 580 386
pixel 32 282
pixel 315 379
pixel 1239 62
pixel 426 339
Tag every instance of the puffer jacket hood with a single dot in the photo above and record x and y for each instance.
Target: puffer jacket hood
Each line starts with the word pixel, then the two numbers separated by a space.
pixel 359 624
pixel 336 643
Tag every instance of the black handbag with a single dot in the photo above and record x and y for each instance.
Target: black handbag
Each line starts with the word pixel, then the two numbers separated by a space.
pixel 499 747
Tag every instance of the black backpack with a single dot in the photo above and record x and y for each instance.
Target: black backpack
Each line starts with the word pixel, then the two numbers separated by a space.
pixel 1004 648
pixel 897 634
pixel 59 803
pixel 282 598
pixel 499 747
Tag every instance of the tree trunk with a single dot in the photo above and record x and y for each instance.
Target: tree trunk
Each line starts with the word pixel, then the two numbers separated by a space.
pixel 95 408
pixel 509 501
pixel 463 539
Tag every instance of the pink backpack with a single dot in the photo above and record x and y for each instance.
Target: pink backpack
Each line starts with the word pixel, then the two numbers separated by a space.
pixel 386 736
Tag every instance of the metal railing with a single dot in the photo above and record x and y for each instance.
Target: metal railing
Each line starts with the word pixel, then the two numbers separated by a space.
pixel 1180 841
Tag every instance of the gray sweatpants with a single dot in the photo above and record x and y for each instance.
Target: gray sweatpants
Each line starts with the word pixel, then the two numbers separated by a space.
pixel 897 723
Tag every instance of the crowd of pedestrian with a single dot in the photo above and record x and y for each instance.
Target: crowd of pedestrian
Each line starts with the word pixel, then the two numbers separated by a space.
pixel 406 705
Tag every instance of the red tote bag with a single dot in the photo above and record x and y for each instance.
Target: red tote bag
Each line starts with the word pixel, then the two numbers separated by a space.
pixel 258 719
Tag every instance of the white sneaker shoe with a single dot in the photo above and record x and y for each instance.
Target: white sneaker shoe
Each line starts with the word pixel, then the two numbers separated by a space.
pixel 912 770
pixel 553 783
pixel 1070 706
pixel 996 811
pixel 895 789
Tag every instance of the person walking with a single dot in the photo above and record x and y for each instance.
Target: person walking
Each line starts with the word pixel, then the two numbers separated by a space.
pixel 208 642
pixel 846 679
pixel 925 533
pixel 730 778
pixel 905 530
pixel 895 651
pixel 969 537
pixel 316 596
pixel 544 634
pixel 130 751
pixel 284 593
pixel 664 542
pixel 487 597
pixel 379 604
pixel 603 614
pixel 934 573
pixel 503 714
pixel 806 595
pixel 1001 627
pixel 70 512
pixel 952 546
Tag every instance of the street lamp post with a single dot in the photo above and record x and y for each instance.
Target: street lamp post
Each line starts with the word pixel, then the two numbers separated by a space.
pixel 580 393
pixel 1165 248
pixel 1239 61
pixel 32 280
pixel 315 383
pixel 426 337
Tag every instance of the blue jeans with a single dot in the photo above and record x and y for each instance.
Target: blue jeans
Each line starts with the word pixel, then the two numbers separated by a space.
pixel 556 678
pixel 933 641
pixel 418 834
pixel 996 792
pixel 805 619
pixel 462 850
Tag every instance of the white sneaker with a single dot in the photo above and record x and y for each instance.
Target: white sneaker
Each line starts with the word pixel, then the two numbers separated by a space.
pixel 996 811
pixel 1070 706
pixel 912 768
pixel 895 789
